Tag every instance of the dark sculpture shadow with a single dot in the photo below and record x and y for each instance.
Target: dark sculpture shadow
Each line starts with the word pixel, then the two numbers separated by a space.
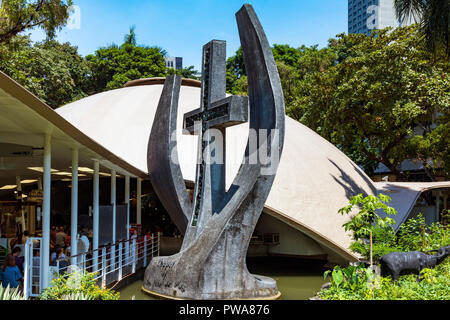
pixel 351 187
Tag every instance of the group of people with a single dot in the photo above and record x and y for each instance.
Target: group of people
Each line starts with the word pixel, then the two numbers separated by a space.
pixel 12 271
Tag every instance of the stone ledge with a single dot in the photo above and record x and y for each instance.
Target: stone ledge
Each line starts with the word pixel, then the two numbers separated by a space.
pixel 165 297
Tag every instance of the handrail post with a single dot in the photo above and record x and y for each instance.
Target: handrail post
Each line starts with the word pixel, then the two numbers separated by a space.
pixel 127 252
pixel 120 262
pixel 104 268
pixel 159 242
pixel 153 244
pixel 133 270
pixel 145 250
pixel 84 263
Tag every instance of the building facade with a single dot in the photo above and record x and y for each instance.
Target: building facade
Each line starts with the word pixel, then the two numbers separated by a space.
pixel 174 63
pixel 367 15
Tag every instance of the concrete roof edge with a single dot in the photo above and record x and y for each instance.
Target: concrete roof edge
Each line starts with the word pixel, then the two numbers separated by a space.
pixel 20 93
pixel 161 80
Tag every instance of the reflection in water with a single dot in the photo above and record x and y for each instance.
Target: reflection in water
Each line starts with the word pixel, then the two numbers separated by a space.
pixel 296 279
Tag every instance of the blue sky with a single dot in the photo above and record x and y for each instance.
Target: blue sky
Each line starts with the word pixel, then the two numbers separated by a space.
pixel 182 27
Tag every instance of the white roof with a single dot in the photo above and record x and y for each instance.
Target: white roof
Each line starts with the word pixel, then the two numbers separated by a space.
pixel 313 182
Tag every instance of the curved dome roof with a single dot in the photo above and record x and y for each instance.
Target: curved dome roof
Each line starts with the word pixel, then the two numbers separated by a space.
pixel 313 182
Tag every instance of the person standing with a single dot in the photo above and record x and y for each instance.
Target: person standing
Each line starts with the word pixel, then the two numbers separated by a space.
pixel 61 238
pixel 18 259
pixel 11 273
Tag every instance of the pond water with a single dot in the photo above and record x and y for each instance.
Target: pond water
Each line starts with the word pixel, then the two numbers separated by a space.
pixel 296 279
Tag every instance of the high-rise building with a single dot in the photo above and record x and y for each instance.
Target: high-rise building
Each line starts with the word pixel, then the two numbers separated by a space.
pixel 367 15
pixel 174 62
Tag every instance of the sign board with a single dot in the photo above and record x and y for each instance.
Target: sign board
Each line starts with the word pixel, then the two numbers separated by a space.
pixel 35 196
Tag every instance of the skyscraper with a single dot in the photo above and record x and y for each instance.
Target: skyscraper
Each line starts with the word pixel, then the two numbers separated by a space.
pixel 174 62
pixel 367 15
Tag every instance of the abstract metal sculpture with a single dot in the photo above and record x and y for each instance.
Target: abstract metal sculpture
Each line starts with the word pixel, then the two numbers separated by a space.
pixel 219 223
pixel 396 263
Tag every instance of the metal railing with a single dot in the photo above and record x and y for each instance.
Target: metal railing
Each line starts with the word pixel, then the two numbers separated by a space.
pixel 111 263
pixel 32 268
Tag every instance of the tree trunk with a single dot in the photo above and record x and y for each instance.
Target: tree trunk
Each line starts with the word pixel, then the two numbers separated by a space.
pixel 371 249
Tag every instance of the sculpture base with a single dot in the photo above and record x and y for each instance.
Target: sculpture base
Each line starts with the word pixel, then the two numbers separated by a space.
pixel 164 297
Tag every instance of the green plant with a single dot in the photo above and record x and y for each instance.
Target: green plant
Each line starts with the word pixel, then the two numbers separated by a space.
pixel 384 242
pixel 434 285
pixel 350 277
pixel 416 235
pixel 77 296
pixel 368 220
pixel 10 294
pixel 77 285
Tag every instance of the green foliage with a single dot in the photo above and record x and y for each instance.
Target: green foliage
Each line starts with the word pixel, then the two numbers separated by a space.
pixel 186 73
pixel 434 19
pixel 54 72
pixel 17 16
pixel 77 286
pixel 434 285
pixel 10 294
pixel 114 66
pixel 77 296
pixel 349 278
pixel 380 247
pixel 384 89
pixel 368 218
pixel 416 235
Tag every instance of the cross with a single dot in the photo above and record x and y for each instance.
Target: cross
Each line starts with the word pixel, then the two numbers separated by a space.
pixel 216 112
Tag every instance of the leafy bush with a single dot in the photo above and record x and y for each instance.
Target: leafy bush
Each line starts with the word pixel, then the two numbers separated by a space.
pixel 350 277
pixel 434 285
pixel 10 294
pixel 77 286
pixel 77 296
pixel 416 235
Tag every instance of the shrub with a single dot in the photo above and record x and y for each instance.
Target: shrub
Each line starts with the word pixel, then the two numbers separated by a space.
pixel 434 285
pixel 384 242
pixel 77 286
pixel 416 235
pixel 10 294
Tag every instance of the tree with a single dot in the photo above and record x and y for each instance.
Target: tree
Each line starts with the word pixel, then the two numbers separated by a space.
pixel 434 19
pixel 363 224
pixel 114 66
pixel 386 95
pixel 186 73
pixel 131 37
pixel 54 72
pixel 17 16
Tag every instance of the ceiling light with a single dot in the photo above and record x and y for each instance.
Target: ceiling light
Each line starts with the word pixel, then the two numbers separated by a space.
pixel 40 169
pixel 8 187
pixel 28 181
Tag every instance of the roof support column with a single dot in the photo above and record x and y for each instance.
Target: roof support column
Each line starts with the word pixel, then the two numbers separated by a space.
pixel 19 189
pixel 438 198
pixel 96 213
pixel 45 246
pixel 74 208
pixel 127 202
pixel 114 208
pixel 19 197
pixel 139 201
